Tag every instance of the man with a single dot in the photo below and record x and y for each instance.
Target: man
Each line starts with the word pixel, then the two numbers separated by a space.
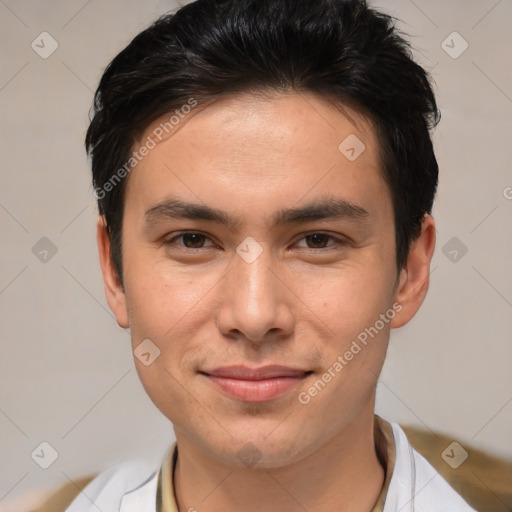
pixel 265 178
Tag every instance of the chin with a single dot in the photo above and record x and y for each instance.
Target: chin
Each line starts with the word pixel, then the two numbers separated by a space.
pixel 260 448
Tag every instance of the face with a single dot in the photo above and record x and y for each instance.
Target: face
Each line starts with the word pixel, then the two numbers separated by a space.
pixel 259 258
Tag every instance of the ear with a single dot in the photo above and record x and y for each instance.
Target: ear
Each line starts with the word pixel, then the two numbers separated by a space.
pixel 113 289
pixel 414 277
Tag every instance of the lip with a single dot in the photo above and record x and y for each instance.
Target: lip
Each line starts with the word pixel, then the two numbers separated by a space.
pixel 256 384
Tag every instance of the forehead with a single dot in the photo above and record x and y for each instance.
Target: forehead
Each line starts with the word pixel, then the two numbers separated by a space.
pixel 276 115
pixel 274 148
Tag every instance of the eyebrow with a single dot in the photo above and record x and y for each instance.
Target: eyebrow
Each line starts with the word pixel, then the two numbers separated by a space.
pixel 176 209
pixel 328 208
pixel 323 209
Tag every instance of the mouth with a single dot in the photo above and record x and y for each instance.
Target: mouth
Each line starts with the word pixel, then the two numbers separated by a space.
pixel 253 385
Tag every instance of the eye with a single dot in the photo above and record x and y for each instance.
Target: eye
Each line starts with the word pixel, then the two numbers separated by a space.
pixel 319 241
pixel 190 240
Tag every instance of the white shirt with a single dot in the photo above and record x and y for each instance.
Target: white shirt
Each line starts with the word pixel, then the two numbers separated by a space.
pixel 415 486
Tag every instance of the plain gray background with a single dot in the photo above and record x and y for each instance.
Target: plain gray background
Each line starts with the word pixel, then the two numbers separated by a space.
pixel 66 369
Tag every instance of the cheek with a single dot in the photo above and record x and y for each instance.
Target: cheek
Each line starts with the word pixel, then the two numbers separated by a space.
pixel 169 392
pixel 163 299
pixel 165 309
pixel 169 307
pixel 347 300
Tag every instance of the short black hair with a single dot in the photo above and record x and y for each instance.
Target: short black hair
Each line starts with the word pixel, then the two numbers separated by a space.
pixel 341 50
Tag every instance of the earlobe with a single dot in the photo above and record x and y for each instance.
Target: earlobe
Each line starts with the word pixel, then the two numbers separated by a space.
pixel 114 292
pixel 415 277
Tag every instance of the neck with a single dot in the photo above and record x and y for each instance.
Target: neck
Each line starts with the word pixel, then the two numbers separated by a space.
pixel 344 474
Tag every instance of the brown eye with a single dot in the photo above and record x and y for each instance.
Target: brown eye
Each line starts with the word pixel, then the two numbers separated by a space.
pixel 317 240
pixel 189 240
pixel 193 240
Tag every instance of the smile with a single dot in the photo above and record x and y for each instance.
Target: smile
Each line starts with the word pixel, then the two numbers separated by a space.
pixel 256 385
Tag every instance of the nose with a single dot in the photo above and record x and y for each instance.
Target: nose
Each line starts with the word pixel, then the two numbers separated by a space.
pixel 255 302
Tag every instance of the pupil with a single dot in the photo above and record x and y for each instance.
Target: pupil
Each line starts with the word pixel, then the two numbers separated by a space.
pixel 316 240
pixel 193 240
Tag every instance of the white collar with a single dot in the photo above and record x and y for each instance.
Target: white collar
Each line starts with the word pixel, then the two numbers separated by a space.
pixel 415 486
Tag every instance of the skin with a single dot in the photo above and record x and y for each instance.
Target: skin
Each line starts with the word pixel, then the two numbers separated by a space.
pixel 301 303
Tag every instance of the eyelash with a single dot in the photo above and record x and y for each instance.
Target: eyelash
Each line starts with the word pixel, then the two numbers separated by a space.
pixel 337 241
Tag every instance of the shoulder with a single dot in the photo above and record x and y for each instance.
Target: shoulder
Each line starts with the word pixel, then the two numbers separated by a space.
pixel 107 491
pixel 416 485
